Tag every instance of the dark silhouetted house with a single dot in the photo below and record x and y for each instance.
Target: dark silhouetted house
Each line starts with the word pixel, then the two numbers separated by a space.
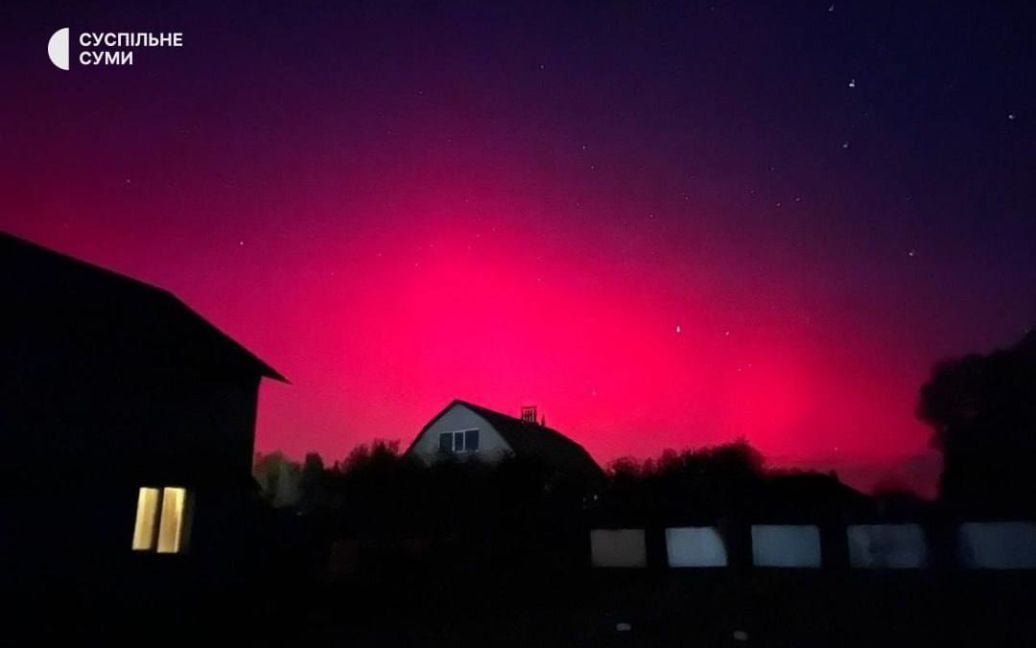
pixel 127 419
pixel 792 502
pixel 463 430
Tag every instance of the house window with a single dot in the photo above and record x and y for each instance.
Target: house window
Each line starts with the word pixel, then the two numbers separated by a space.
pixel 162 517
pixel 144 529
pixel 459 442
pixel 170 528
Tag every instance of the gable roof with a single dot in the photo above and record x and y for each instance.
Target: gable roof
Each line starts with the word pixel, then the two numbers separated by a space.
pixel 791 494
pixel 530 440
pixel 45 283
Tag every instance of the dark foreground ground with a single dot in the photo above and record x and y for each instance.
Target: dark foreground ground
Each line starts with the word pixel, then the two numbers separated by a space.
pixel 691 608
pixel 440 607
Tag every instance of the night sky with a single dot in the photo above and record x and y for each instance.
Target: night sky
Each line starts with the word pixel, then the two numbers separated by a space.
pixel 665 224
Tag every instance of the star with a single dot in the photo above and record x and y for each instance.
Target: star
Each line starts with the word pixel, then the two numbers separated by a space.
pixel 679 329
pixel 845 145
pixel 1010 116
pixel 852 83
pixel 912 253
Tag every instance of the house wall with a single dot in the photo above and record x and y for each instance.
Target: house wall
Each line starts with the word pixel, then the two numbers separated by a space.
pixel 109 386
pixel 91 441
pixel 127 424
pixel 491 446
pixel 112 381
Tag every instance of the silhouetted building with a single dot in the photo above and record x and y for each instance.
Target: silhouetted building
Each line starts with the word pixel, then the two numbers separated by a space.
pixel 128 421
pixel 464 430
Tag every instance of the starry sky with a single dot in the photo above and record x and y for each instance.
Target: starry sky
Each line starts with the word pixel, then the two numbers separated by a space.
pixel 666 224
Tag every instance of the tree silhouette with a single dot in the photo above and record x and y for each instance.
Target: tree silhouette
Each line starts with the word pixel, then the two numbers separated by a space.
pixel 698 483
pixel 982 409
pixel 729 480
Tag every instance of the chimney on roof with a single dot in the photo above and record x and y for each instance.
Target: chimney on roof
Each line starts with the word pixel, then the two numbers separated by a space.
pixel 529 414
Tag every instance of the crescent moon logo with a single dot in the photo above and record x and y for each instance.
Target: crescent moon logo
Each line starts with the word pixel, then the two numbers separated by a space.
pixel 57 48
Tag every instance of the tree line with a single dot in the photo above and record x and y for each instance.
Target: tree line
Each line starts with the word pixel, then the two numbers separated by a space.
pixel 981 408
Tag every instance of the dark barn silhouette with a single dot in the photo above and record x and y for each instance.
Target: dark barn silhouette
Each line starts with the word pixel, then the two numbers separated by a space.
pixel 111 386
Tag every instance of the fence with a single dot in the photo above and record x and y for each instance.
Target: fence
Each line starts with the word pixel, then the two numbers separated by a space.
pixel 977 545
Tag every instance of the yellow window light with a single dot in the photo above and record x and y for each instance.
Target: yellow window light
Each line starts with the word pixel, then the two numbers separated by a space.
pixel 171 526
pixel 144 528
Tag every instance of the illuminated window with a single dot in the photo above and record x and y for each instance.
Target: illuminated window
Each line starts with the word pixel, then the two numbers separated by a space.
pixel 170 529
pixel 144 529
pixel 162 515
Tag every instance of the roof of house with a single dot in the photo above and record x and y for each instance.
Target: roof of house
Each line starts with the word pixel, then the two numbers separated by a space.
pixel 61 286
pixel 530 440
pixel 794 494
